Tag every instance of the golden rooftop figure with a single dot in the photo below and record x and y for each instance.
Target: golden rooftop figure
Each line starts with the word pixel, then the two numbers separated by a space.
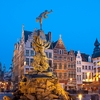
pixel 41 84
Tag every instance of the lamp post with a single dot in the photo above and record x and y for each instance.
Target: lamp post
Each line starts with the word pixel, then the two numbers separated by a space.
pixel 70 80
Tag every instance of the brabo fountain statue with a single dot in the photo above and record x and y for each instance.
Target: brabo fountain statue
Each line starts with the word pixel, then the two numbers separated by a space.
pixel 40 84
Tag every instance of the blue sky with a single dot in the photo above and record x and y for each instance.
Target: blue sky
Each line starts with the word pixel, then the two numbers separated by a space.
pixel 78 21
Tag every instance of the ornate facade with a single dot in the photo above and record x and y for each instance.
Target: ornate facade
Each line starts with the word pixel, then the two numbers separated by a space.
pixel 64 65
pixel 23 55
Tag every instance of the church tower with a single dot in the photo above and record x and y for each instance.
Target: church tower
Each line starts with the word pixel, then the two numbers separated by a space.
pixel 96 51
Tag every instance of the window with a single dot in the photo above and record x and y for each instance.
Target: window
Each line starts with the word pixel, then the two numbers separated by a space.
pixel 85 67
pixel 78 57
pixel 55 74
pixel 31 69
pixel 60 58
pixel 46 54
pixel 92 67
pixel 68 66
pixel 65 75
pixel 50 63
pixel 50 55
pixel 79 62
pixel 89 67
pixel 78 77
pixel 71 58
pixel 31 60
pixel 27 61
pixel 65 58
pixel 71 66
pixel 84 75
pixel 82 67
pixel 94 70
pixel 60 51
pixel 60 75
pixel 27 69
pixel 94 63
pixel 65 67
pixel 32 53
pixel 55 65
pixel 27 52
pixel 74 66
pixel 78 69
pixel 55 57
pixel 31 44
pixel 72 74
pixel 60 66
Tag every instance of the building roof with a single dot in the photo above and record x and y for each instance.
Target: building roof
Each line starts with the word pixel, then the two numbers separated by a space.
pixel 96 43
pixel 95 55
pixel 26 34
pixel 54 43
pixel 84 56
pixel 96 52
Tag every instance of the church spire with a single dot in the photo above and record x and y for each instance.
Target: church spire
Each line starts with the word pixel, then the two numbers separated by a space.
pixel 60 37
pixel 96 43
pixel 96 49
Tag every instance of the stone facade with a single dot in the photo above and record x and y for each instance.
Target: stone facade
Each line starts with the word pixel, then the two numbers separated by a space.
pixel 84 70
pixel 23 55
pixel 64 65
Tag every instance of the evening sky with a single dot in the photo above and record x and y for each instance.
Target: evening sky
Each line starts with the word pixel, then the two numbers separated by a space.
pixel 78 21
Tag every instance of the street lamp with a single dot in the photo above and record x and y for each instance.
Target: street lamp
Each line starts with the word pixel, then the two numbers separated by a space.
pixel 80 96
pixel 70 79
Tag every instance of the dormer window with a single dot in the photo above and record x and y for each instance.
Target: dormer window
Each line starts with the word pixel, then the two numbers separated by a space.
pixel 78 56
pixel 71 58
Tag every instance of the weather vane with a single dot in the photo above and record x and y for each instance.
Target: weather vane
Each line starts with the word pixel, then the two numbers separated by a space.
pixel 41 16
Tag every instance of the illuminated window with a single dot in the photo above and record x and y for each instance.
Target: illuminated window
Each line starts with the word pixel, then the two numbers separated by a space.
pixel 27 69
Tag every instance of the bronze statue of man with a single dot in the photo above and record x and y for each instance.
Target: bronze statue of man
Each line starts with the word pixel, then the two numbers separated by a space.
pixel 42 15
